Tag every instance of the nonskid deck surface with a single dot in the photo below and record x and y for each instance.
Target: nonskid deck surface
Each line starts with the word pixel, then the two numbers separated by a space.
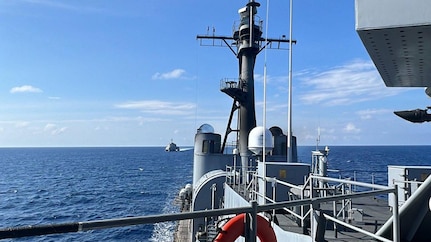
pixel 375 213
pixel 182 234
pixel 183 231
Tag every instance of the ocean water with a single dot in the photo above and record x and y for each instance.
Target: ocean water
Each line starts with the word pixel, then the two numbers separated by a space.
pixel 369 163
pixel 58 185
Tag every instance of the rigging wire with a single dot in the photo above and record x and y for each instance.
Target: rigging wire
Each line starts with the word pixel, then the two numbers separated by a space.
pixel 197 57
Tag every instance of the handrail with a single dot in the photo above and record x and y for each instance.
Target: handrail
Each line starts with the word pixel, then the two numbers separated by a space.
pixel 308 186
pixel 349 182
pixel 407 182
pixel 288 184
pixel 17 232
pixel 347 225
pixel 25 231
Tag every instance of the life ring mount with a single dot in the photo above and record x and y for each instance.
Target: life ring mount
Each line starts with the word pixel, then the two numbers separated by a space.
pixel 236 225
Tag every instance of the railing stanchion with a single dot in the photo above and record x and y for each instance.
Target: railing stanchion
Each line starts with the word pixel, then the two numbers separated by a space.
pixel 396 222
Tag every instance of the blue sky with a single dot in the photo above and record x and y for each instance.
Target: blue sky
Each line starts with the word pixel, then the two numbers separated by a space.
pixel 131 73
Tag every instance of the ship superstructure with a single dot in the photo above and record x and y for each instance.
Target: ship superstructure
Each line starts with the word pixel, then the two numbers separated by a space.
pixel 258 188
pixel 211 157
pixel 261 170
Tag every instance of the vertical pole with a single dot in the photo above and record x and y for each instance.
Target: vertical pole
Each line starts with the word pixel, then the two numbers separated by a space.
pixel 273 195
pixel 335 216
pixel 264 108
pixel 354 178
pixel 264 174
pixel 213 189
pixel 302 206
pixel 350 200
pixel 256 182
pixel 235 152
pixel 289 113
pixel 396 222
pixel 313 224
pixel 343 202
pixel 251 223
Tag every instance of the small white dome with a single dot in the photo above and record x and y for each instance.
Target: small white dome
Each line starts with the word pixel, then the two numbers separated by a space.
pixel 256 140
pixel 182 194
pixel 189 189
pixel 205 129
pixel 235 151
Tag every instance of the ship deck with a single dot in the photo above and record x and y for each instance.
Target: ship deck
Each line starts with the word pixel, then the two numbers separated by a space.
pixel 366 213
pixel 374 212
pixel 182 233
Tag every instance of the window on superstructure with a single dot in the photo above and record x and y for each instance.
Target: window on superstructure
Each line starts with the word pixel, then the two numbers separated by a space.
pixel 208 146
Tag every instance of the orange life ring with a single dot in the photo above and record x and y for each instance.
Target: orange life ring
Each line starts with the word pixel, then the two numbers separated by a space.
pixel 235 228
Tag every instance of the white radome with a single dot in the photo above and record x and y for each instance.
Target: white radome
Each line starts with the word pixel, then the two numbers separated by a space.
pixel 256 140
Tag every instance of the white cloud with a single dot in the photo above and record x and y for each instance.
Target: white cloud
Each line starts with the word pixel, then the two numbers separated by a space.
pixel 351 83
pixel 270 79
pixel 272 106
pixel 58 131
pixel 54 129
pixel 277 83
pixel 369 113
pixel 175 74
pixel 62 5
pixel 351 128
pixel 21 124
pixel 158 107
pixel 48 3
pixel 25 88
pixel 49 127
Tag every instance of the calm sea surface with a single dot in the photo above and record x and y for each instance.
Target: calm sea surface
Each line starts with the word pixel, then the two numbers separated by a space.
pixel 57 185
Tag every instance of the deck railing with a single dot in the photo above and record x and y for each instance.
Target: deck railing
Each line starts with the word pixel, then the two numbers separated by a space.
pixel 312 201
pixel 318 195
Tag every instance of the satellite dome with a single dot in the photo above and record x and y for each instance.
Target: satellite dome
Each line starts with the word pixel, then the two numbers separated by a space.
pixel 255 140
pixel 205 129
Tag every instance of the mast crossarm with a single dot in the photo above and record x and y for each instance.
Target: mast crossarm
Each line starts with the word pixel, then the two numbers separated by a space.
pixel 269 42
pixel 213 37
pixel 278 41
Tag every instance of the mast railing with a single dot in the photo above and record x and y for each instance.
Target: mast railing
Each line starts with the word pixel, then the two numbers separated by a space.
pixel 229 83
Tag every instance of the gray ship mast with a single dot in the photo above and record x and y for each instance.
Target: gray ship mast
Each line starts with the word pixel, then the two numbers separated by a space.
pixel 249 43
